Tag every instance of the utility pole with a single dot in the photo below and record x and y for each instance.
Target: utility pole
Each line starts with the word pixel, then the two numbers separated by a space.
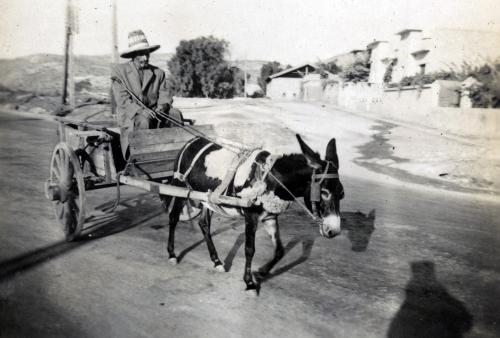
pixel 245 90
pixel 114 50
pixel 115 57
pixel 69 83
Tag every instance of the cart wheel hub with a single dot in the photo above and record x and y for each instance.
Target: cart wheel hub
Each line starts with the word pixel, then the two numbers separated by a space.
pixel 52 191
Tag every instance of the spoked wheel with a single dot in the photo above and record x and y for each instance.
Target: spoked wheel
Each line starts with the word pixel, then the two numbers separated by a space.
pixel 189 214
pixel 66 189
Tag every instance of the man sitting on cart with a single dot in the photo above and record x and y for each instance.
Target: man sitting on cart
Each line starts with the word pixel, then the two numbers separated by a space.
pixel 140 91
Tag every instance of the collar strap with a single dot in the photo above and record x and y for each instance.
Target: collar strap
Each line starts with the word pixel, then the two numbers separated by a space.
pixel 325 173
pixel 323 176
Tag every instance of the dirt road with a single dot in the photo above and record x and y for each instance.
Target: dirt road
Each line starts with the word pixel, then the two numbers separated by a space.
pixel 408 263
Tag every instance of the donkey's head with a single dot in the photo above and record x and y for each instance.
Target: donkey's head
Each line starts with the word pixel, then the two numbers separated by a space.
pixel 323 194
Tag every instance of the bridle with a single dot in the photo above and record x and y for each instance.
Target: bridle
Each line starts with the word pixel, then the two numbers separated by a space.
pixel 316 180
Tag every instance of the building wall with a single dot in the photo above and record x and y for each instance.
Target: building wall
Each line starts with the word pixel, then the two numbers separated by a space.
pixel 417 106
pixel 408 43
pixel 379 60
pixel 284 88
pixel 312 87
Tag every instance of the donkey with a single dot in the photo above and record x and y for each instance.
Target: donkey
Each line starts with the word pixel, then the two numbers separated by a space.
pixel 271 183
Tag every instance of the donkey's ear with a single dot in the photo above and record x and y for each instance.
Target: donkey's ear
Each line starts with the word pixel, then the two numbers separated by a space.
pixel 313 158
pixel 331 152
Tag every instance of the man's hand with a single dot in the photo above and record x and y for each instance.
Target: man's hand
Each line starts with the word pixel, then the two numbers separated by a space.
pixel 149 114
pixel 163 108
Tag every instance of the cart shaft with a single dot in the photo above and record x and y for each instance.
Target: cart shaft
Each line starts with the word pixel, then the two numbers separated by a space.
pixel 166 189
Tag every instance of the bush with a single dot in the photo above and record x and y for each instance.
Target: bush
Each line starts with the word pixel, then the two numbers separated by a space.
pixel 199 69
pixel 330 67
pixel 267 70
pixel 486 94
pixel 388 71
pixel 359 71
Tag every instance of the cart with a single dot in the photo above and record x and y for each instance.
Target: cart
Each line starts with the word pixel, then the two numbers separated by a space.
pixel 88 157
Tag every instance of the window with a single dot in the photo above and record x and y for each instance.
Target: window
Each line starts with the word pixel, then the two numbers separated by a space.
pixel 422 69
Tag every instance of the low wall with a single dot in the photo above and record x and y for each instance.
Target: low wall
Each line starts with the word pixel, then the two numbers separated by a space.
pixel 417 105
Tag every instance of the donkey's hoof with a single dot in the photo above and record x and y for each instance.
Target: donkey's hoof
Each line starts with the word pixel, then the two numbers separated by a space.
pixel 254 293
pixel 252 290
pixel 220 268
pixel 173 260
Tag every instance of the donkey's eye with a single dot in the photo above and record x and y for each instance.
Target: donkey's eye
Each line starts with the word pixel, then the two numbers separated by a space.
pixel 325 194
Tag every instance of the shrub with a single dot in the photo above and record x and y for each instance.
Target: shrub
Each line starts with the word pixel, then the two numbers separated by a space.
pixel 486 94
pixel 199 69
pixel 267 70
pixel 359 71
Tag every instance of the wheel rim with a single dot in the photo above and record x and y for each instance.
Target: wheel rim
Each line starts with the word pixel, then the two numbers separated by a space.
pixel 65 172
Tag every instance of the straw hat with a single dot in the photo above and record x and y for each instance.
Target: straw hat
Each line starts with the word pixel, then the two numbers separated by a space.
pixel 137 42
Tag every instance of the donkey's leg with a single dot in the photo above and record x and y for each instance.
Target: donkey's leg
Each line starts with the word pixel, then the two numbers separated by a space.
pixel 251 221
pixel 175 210
pixel 271 225
pixel 205 222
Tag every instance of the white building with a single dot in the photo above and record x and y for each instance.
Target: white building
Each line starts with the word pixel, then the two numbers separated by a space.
pixel 288 83
pixel 415 51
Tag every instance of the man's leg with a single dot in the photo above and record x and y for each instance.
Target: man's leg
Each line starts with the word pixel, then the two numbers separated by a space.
pixel 141 122
pixel 137 122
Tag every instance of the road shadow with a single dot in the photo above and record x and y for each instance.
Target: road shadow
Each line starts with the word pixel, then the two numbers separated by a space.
pixel 429 310
pixel 228 262
pixel 106 224
pixel 185 251
pixel 359 228
pixel 100 226
pixel 307 245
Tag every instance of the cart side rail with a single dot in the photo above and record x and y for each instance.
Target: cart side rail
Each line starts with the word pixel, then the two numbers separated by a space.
pixel 154 151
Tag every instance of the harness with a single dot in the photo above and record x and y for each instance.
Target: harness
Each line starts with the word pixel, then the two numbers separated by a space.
pixel 316 180
pixel 180 176
pixel 213 196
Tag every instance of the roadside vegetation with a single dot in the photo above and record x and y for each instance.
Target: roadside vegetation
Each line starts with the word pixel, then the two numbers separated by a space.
pixel 199 69
pixel 267 70
pixel 483 82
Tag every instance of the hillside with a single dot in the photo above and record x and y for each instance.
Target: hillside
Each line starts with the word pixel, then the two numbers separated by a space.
pixel 37 80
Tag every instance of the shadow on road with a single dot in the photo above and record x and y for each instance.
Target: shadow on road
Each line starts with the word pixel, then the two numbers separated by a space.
pixel 101 226
pixel 359 228
pixel 184 252
pixel 129 209
pixel 228 262
pixel 307 245
pixel 429 310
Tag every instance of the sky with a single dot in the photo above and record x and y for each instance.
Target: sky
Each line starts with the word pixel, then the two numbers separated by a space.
pixel 288 31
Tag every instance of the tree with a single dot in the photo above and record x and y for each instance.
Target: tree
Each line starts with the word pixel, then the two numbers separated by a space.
pixel 389 70
pixel 267 70
pixel 487 93
pixel 199 69
pixel 359 71
pixel 330 67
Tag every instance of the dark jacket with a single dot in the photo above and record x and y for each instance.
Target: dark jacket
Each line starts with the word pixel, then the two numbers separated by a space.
pixel 153 91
